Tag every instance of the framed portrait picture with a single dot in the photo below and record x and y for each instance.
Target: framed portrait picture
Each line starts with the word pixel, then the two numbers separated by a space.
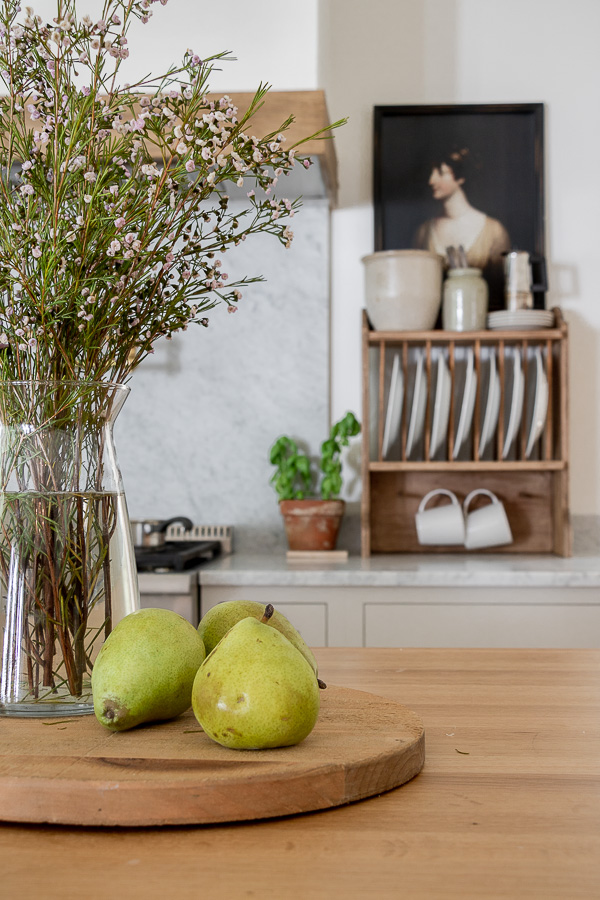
pixel 470 176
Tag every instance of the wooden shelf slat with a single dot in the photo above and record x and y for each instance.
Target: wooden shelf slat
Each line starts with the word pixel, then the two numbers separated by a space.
pixel 550 465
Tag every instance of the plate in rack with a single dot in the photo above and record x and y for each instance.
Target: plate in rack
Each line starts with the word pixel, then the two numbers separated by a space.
pixel 419 406
pixel 441 408
pixel 468 404
pixel 516 403
pixel 394 407
pixel 540 404
pixel 492 406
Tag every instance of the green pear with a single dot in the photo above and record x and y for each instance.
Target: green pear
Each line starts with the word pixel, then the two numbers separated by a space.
pixel 145 669
pixel 215 624
pixel 255 690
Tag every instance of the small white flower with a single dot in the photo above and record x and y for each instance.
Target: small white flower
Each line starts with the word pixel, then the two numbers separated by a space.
pixel 87 198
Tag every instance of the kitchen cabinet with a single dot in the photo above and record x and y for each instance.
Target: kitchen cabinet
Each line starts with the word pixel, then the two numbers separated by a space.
pixel 409 600
pixel 309 613
pixel 177 591
pixel 412 616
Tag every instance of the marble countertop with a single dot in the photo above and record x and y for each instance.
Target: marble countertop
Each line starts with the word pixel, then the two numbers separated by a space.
pixel 416 570
pixel 241 569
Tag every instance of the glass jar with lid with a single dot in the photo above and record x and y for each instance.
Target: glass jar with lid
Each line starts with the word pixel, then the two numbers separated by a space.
pixel 465 300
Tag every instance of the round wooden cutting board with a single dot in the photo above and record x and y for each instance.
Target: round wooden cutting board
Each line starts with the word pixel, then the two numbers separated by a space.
pixel 76 772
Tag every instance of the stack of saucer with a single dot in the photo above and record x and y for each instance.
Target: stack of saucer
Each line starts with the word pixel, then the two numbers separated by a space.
pixel 520 319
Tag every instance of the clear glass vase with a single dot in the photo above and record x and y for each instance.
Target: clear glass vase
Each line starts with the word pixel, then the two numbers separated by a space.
pixel 67 566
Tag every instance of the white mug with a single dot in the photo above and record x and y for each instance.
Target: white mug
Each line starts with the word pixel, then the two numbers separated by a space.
pixel 441 524
pixel 487 526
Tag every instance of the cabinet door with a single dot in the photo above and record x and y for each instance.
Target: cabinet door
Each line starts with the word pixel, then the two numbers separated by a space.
pixel 185 605
pixel 522 624
pixel 308 616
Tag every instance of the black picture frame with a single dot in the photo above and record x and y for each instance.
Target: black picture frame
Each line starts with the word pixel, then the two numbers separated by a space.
pixel 502 144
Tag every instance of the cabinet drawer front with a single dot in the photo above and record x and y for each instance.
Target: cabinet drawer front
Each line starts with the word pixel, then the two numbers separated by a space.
pixel 485 625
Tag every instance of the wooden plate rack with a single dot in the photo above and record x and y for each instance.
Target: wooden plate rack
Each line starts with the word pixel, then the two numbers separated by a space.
pixel 534 490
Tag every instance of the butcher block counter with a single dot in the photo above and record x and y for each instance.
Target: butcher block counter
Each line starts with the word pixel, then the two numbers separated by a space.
pixel 506 806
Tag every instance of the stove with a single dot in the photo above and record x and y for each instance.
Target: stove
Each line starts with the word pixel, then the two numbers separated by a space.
pixel 175 556
pixel 176 544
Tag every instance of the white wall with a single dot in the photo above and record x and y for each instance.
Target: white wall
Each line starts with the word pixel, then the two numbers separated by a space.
pixel 476 51
pixel 271 43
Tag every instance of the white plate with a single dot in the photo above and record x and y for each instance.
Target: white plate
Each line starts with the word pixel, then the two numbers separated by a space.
pixel 516 404
pixel 419 405
pixel 520 319
pixel 441 408
pixel 516 315
pixel 394 407
pixel 492 406
pixel 468 404
pixel 540 404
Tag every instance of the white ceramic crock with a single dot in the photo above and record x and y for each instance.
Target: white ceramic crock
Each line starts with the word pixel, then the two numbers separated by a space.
pixel 403 289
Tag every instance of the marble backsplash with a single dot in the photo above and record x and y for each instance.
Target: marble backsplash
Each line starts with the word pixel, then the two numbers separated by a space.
pixel 194 435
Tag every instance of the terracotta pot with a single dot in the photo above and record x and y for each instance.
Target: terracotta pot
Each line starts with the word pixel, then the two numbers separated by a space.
pixel 312 524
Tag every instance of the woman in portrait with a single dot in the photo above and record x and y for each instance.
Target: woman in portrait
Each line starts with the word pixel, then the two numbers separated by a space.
pixel 483 238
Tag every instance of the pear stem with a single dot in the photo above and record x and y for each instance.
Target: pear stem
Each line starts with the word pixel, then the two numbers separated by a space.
pixel 321 684
pixel 269 610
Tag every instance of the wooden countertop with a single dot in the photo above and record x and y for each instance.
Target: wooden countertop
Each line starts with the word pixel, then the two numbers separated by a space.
pixel 507 805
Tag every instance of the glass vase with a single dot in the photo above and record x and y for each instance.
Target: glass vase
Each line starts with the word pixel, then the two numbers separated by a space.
pixel 67 566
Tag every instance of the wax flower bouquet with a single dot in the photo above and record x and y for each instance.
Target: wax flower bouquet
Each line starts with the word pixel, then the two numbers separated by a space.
pixel 114 220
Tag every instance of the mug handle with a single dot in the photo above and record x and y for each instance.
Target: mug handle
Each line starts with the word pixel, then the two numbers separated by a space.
pixel 475 493
pixel 433 493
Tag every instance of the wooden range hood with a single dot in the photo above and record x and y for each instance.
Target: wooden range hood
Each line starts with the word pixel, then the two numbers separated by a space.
pixel 310 115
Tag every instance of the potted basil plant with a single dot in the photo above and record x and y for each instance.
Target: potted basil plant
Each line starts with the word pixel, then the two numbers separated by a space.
pixel 308 489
